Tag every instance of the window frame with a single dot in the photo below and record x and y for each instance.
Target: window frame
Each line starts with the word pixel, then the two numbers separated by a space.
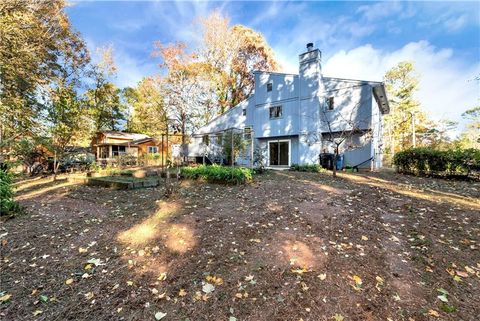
pixel 117 152
pixel 330 103
pixel 269 87
pixel 244 111
pixel 272 110
pixel 150 148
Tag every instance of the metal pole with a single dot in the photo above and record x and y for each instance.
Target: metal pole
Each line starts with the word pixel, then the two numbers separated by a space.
pixel 163 152
pixel 251 148
pixel 232 149
pixel 414 138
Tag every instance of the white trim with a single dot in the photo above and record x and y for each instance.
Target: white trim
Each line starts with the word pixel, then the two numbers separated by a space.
pixel 289 152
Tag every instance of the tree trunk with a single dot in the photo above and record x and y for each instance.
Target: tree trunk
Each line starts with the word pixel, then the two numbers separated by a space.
pixel 335 162
pixel 55 166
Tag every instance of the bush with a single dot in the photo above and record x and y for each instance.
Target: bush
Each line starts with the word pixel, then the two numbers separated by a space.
pixel 429 161
pixel 315 168
pixel 218 174
pixel 8 206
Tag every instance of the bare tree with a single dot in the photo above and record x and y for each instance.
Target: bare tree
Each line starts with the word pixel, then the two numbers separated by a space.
pixel 342 127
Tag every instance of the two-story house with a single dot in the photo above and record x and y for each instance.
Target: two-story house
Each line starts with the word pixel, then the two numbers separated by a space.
pixel 292 119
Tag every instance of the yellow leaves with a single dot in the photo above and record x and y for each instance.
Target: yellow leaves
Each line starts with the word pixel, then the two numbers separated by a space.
pixel 88 267
pixel 300 271
pixel 357 286
pixel 37 312
pixel 89 295
pixel 322 276
pixel 5 298
pixel 182 293
pixel 200 297
pixel 141 253
pixel 255 240
pixel 304 286
pixel 379 283
pixel 469 270
pixel 364 238
pixel 69 281
pixel 215 280
pixel 338 317
pixel 433 313
pixel 82 250
pixel 241 296
pixel 129 283
pixel 163 276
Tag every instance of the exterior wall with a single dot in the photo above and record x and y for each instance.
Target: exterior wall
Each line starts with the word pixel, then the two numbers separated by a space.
pixel 283 126
pixel 352 103
pixel 284 87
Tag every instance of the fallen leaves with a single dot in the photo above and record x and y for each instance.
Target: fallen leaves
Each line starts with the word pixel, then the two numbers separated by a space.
pixel 433 313
pixel 300 270
pixel 357 285
pixel 215 280
pixel 322 276
pixel 338 317
pixel 37 312
pixel 69 281
pixel 89 295
pixel 182 293
pixel 208 288
pixel 5 298
pixel 379 283
pixel 160 315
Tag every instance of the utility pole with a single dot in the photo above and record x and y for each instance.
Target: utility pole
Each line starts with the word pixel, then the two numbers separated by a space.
pixel 414 138
pixel 233 161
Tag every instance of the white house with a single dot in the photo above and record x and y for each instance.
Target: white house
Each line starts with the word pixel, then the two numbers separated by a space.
pixel 292 119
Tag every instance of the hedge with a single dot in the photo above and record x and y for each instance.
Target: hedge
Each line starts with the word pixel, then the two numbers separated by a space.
pixel 8 206
pixel 446 163
pixel 218 174
pixel 307 168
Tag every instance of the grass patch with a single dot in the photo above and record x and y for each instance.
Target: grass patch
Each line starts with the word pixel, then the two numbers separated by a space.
pixel 218 174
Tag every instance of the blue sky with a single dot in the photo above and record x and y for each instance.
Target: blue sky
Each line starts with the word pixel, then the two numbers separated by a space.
pixel 357 39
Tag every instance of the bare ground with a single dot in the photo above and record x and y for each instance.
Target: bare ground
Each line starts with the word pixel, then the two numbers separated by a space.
pixel 290 246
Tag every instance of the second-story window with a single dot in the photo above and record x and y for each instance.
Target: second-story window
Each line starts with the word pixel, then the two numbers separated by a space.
pixel 244 112
pixel 269 87
pixel 275 112
pixel 330 103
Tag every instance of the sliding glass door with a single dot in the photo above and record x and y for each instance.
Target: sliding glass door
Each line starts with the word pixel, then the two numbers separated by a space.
pixel 279 153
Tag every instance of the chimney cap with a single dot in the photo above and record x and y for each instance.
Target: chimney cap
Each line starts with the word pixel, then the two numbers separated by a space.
pixel 309 46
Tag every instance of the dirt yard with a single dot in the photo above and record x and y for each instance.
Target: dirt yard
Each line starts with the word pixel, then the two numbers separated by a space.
pixel 290 246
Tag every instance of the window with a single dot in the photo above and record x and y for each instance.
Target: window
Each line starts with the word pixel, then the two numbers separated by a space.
pixel 269 87
pixel 152 149
pixel 206 139
pixel 275 112
pixel 118 150
pixel 247 133
pixel 244 112
pixel 329 103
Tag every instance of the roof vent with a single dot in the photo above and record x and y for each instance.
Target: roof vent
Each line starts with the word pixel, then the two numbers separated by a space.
pixel 310 46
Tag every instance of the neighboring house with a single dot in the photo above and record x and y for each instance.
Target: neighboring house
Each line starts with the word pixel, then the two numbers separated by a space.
pixel 291 118
pixel 109 145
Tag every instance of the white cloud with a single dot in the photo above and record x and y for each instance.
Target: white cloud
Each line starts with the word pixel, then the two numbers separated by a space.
pixel 446 89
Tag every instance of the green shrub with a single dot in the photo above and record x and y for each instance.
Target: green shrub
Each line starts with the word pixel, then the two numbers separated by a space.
pixel 315 168
pixel 8 206
pixel 429 161
pixel 218 174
